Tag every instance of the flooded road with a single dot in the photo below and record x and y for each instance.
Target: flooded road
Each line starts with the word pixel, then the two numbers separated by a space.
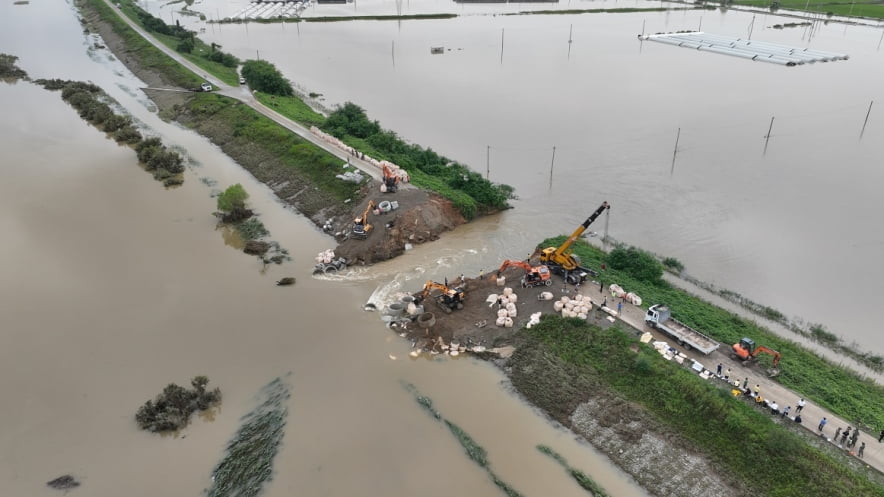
pixel 114 287
pixel 791 227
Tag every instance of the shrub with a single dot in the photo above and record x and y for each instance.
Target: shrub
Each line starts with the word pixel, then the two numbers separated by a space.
pixel 172 409
pixel 673 264
pixel 263 76
pixel 234 197
pixel 636 262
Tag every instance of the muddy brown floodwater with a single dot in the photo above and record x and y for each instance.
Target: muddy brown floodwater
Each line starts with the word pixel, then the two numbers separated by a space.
pixel 113 287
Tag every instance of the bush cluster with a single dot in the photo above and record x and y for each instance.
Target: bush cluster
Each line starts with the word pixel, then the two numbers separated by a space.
pixel 186 38
pixel 469 191
pixel 265 77
pixel 171 409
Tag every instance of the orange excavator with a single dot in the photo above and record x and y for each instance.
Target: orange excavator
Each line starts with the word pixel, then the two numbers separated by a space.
pixel 534 275
pixel 747 351
pixel 361 227
pixel 449 299
pixel 391 181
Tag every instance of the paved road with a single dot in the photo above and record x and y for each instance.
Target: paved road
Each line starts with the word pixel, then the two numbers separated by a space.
pixel 242 94
pixel 811 414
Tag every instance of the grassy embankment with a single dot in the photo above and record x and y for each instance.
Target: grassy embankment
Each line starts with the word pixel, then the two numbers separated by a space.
pixel 861 8
pixel 149 56
pixel 199 51
pixel 835 388
pixel 745 442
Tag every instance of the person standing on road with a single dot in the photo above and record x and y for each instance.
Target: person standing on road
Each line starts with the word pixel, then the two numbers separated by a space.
pixel 881 436
pixel 845 435
pixel 757 390
pixel 727 374
pixel 862 448
pixel 822 424
pixel 837 432
pixel 620 307
pixel 601 286
pixel 800 405
pixel 746 383
pixel 718 369
pixel 786 411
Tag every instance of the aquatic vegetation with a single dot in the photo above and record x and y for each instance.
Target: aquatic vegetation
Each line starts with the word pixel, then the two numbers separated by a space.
pixel 248 464
pixel 582 479
pixel 171 409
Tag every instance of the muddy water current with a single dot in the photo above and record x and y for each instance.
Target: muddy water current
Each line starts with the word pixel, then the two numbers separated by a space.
pixel 792 227
pixel 113 287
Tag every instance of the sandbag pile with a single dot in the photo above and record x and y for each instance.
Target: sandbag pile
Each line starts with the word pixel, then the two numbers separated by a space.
pixel 578 307
pixel 535 318
pixel 620 293
pixel 398 171
pixel 325 257
pixel 545 296
pixel 351 176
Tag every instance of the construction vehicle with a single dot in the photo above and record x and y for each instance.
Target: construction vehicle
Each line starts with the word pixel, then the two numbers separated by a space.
pixel 747 351
pixel 534 275
pixel 391 181
pixel 560 259
pixel 660 317
pixel 361 226
pixel 449 299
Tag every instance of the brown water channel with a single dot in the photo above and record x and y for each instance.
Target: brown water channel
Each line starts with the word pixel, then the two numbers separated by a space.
pixel 793 228
pixel 113 287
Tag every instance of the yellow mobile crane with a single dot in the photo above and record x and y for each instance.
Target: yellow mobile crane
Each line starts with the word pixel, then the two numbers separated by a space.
pixel 560 259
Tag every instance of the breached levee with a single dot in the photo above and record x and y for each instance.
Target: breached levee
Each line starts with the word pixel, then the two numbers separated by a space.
pixel 248 464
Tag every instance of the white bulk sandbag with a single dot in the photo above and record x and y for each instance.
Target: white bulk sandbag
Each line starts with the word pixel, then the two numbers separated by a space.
pixel 546 295
pixel 581 315
pixel 383 188
pixel 492 298
pixel 511 313
pixel 501 280
pixel 565 300
pixel 508 323
pixel 501 313
pixel 578 297
pixel 507 291
pixel 558 306
pixel 569 305
pixel 637 300
pixel 510 306
pixel 514 298
pixel 500 321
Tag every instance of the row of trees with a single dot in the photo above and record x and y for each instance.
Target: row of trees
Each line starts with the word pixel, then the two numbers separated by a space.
pixel 187 40
pixel 87 98
pixel 350 120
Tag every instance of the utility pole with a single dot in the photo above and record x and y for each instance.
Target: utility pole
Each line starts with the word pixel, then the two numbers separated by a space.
pixel 488 162
pixel 866 121
pixel 551 165
pixel 767 137
pixel 570 40
pixel 674 152
pixel 501 45
pixel 393 52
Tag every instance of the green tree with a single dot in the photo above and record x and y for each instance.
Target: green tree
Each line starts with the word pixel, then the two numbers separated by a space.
pixel 264 77
pixel 637 263
pixel 234 197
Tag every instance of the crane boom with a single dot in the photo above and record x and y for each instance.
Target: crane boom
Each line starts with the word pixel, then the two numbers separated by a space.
pixel 561 255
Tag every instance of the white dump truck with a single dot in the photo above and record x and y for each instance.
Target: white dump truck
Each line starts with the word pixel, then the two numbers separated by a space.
pixel 659 317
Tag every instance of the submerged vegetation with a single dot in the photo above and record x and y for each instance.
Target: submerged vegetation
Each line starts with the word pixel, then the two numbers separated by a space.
pixel 835 388
pixel 171 409
pixel 756 450
pixel 89 100
pixel 232 210
pixel 248 464
pixel 9 70
pixel 582 479
pixel 474 451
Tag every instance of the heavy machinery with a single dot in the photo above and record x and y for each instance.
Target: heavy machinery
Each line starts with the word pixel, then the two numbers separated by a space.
pixel 534 275
pixel 560 259
pixel 449 299
pixel 361 226
pixel 391 181
pixel 747 351
pixel 660 317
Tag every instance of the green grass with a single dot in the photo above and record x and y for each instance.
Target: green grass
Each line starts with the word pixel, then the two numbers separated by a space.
pixel 861 8
pixel 224 73
pixel 149 56
pixel 843 392
pixel 748 443
pixel 317 165
pixel 293 108
pixel 342 18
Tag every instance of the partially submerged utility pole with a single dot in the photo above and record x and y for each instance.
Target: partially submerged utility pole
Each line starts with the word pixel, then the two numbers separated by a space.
pixel 674 152
pixel 767 136
pixel 551 165
pixel 866 121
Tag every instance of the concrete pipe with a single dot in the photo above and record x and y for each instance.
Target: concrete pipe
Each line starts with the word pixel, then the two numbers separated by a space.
pixel 426 320
pixel 395 309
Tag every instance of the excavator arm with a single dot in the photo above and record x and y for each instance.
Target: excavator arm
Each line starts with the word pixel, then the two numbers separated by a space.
pixel 511 263
pixel 762 349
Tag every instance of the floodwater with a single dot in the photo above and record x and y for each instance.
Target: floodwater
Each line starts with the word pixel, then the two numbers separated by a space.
pixel 113 287
pixel 572 124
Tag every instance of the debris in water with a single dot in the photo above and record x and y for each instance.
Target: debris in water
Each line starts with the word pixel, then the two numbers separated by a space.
pixel 288 280
pixel 171 409
pixel 65 482
pixel 249 460
pixel 391 356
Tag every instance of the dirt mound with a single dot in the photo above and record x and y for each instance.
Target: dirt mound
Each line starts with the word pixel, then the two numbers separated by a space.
pixel 421 217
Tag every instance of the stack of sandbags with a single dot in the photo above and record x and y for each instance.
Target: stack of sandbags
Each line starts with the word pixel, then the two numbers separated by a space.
pixel 501 317
pixel 492 299
pixel 508 322
pixel 535 318
pixel 633 299
pixel 511 310
pixel 325 257
pixel 578 307
pixel 545 296
pixel 617 290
